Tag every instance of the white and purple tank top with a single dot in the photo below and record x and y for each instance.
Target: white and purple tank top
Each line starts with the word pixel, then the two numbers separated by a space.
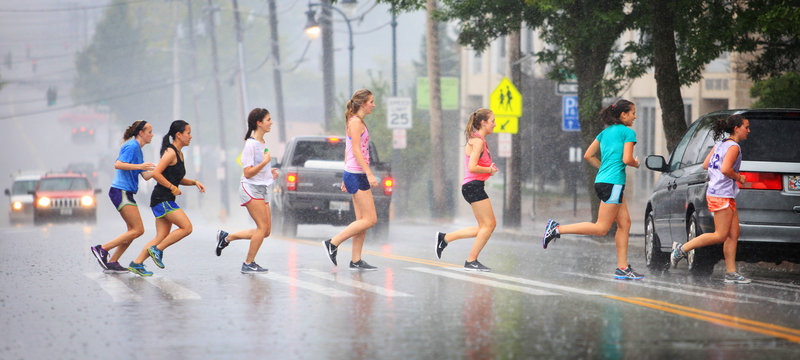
pixel 720 185
pixel 350 163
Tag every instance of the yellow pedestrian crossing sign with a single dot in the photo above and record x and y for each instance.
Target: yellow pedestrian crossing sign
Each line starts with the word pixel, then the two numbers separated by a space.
pixel 505 124
pixel 506 101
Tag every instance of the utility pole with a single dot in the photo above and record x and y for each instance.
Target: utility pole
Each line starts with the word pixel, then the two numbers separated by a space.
pixel 193 54
pixel 243 105
pixel 435 110
pixel 223 173
pixel 328 85
pixel 513 204
pixel 276 71
pixel 176 86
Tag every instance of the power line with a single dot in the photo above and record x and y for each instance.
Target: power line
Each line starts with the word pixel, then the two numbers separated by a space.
pixel 77 8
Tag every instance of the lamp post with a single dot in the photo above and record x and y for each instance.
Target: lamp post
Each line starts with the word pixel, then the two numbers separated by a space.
pixel 312 29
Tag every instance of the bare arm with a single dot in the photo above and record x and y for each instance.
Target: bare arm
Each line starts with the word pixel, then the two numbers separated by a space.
pixel 354 132
pixel 590 153
pixel 727 165
pixel 708 158
pixel 128 166
pixel 251 171
pixel 168 158
pixel 627 155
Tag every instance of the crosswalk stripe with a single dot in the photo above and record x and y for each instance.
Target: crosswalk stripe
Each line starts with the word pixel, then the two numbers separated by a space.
pixel 533 283
pixel 115 287
pixel 324 290
pixel 729 293
pixel 482 281
pixel 172 289
pixel 344 280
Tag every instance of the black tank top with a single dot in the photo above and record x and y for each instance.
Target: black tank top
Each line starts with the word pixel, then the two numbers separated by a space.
pixel 174 174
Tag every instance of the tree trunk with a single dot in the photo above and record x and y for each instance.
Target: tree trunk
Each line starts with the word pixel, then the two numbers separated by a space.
pixel 328 80
pixel 513 205
pixel 668 86
pixel 437 155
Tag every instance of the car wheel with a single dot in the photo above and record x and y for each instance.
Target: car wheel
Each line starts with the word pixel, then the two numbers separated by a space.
pixel 654 257
pixel 701 261
pixel 288 224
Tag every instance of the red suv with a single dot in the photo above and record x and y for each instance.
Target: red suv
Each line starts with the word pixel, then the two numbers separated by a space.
pixel 64 196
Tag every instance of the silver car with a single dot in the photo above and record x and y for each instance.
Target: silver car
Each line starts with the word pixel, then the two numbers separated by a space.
pixel 20 198
pixel 768 203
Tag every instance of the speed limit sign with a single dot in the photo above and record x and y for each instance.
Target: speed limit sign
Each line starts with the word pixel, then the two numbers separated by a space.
pixel 398 113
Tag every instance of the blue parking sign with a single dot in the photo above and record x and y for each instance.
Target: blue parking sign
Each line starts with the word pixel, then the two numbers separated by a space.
pixel 569 113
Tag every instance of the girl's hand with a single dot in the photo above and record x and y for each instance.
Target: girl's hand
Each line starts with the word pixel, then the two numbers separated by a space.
pixel 148 166
pixel 274 174
pixel 344 189
pixel 741 179
pixel 200 186
pixel 373 181
pixel 636 159
pixel 494 169
pixel 267 157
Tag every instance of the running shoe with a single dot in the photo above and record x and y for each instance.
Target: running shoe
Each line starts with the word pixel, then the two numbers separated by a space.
pixel 222 241
pixel 139 269
pixel 156 255
pixel 627 274
pixel 361 265
pixel 735 278
pixel 331 250
pixel 677 254
pixel 475 266
pixel 101 255
pixel 115 267
pixel 252 268
pixel 550 233
pixel 440 244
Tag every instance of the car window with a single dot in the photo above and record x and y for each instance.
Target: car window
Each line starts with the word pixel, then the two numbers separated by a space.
pixel 23 186
pixel 696 143
pixel 772 140
pixel 677 154
pixel 706 147
pixel 325 151
pixel 64 184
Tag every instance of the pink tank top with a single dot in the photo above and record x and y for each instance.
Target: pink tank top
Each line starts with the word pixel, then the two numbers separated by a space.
pixel 350 163
pixel 485 160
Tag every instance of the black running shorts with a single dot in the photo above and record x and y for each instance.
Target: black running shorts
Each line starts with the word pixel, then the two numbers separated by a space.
pixel 473 191
pixel 609 193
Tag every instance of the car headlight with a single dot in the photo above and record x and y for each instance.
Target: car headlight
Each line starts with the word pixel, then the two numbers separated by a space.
pixel 87 200
pixel 17 205
pixel 44 201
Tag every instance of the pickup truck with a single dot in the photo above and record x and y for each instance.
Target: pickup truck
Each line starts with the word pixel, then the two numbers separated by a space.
pixel 308 190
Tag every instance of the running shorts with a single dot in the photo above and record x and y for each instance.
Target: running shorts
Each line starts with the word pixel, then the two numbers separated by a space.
pixel 163 208
pixel 609 193
pixel 719 203
pixel 474 191
pixel 355 182
pixel 249 192
pixel 120 198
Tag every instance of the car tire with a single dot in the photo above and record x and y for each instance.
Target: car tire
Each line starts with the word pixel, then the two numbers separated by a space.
pixel 654 257
pixel 701 261
pixel 288 224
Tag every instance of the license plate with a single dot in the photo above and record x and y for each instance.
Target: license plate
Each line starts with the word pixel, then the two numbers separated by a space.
pixel 340 205
pixel 66 211
pixel 793 183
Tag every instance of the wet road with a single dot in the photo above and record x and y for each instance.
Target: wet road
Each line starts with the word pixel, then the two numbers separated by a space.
pixel 558 303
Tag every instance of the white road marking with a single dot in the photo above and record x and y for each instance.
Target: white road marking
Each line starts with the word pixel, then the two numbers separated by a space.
pixel 324 290
pixel 171 288
pixel 345 280
pixel 647 284
pixel 482 281
pixel 777 285
pixel 114 287
pixel 533 282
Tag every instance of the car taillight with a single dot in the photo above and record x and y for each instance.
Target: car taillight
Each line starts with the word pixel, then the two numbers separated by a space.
pixel 388 185
pixel 291 181
pixel 762 181
pixel 334 140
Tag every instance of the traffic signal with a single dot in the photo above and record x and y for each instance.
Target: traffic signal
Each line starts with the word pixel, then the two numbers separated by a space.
pixel 52 96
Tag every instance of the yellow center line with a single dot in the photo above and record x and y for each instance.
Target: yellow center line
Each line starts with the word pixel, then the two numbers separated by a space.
pixel 778 331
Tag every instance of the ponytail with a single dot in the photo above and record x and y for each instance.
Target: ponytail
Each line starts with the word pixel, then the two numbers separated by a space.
pixel 611 114
pixel 354 104
pixel 722 126
pixel 177 126
pixel 133 130
pixel 255 116
pixel 475 119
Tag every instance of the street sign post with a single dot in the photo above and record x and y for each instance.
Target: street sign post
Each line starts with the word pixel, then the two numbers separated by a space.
pixel 569 113
pixel 567 88
pixel 398 113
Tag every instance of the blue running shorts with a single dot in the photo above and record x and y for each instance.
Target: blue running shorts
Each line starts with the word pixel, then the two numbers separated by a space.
pixel 164 208
pixel 120 198
pixel 355 182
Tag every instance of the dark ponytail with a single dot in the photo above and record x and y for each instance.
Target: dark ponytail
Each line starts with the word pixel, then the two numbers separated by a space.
pixel 177 126
pixel 611 114
pixel 134 129
pixel 726 125
pixel 255 116
pixel 475 120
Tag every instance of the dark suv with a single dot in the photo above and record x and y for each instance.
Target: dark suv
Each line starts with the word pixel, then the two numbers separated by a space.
pixel 309 188
pixel 768 203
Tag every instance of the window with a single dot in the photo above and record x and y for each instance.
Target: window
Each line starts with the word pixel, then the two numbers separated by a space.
pixel 677 155
pixel 64 184
pixel 696 143
pixel 325 151
pixel 772 139
pixel 23 186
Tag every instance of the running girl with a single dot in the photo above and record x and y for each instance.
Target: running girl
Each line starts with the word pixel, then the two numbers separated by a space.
pixel 722 164
pixel 255 189
pixel 357 180
pixel 169 173
pixel 479 167
pixel 129 165
pixel 615 145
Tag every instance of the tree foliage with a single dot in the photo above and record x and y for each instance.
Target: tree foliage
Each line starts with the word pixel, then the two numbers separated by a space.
pixel 770 30
pixel 777 92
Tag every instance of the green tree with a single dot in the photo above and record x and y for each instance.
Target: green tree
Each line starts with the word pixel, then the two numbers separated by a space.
pixel 770 31
pixel 777 92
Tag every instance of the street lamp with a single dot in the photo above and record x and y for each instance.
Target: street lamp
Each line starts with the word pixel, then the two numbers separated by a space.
pixel 312 29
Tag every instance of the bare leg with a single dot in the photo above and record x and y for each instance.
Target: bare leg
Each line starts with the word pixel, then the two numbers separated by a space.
pixel 260 212
pixel 486 223
pixel 133 220
pixel 162 230
pixel 729 246
pixel 606 216
pixel 179 218
pixel 621 237
pixel 365 206
pixel 722 225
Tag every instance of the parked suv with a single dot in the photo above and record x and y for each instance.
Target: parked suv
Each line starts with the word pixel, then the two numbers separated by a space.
pixel 309 188
pixel 64 196
pixel 768 203
pixel 20 200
